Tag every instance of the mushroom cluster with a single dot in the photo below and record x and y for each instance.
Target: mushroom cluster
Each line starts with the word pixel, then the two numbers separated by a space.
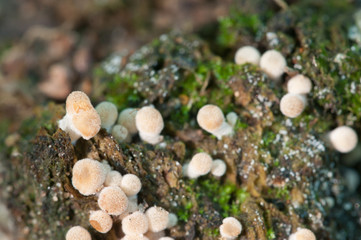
pixel 201 164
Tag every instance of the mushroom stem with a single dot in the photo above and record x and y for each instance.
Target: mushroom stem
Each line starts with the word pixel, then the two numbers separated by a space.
pixel 151 138
pixel 66 125
pixel 224 130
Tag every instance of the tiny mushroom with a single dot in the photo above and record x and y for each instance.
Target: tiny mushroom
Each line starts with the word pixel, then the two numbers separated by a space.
pixel 113 200
pixel 158 218
pixel 77 233
pixel 100 221
pixel 172 220
pixel 121 133
pixel 114 178
pixel 299 84
pixel 211 118
pixel 81 119
pixel 232 118
pixel 247 54
pixel 230 228
pixel 273 64
pixel 149 123
pixel 88 176
pixel 219 168
pixel 108 113
pixel 130 184
pixel 135 224
pixel 292 105
pixel 200 165
pixel 127 119
pixel 303 234
pixel 343 139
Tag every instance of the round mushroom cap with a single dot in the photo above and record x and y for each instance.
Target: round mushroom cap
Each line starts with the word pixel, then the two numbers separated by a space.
pixel 87 123
pixel 135 224
pixel 108 113
pixel 273 64
pixel 77 233
pixel 299 84
pixel 127 119
pixel 292 105
pixel 149 120
pixel 230 228
pixel 88 176
pixel 113 200
pixel 101 221
pixel 130 184
pixel 158 218
pixel 219 168
pixel 247 54
pixel 343 139
pixel 120 133
pixel 172 220
pixel 78 102
pixel 200 164
pixel 303 234
pixel 210 117
pixel 113 178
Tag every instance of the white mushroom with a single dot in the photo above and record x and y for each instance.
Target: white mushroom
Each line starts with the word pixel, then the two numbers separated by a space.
pixel 230 228
pixel 121 133
pixel 158 219
pixel 113 200
pixel 273 64
pixel 135 224
pixel 127 119
pixel 292 105
pixel 247 54
pixel 343 139
pixel 200 165
pixel 299 84
pixel 303 234
pixel 219 168
pixel 149 123
pixel 108 113
pixel 77 233
pixel 100 221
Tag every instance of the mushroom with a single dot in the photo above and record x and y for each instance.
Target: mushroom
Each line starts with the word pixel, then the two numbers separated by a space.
pixel 77 233
pixel 139 237
pixel 81 119
pixel 273 64
pixel 127 119
pixel 135 224
pixel 149 123
pixel 172 220
pixel 230 228
pixel 100 221
pixel 121 133
pixel 211 118
pixel 113 178
pixel 247 54
pixel 303 234
pixel 343 139
pixel 299 84
pixel 113 200
pixel 130 184
pixel 158 218
pixel 88 176
pixel 108 113
pixel 200 164
pixel 232 118
pixel 292 105
pixel 219 168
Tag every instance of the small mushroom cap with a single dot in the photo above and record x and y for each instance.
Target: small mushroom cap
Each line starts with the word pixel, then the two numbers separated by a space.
pixel 120 133
pixel 247 54
pixel 87 123
pixel 292 105
pixel 113 178
pixel 299 84
pixel 77 233
pixel 158 218
pixel 172 220
pixel 135 224
pixel 88 176
pixel 108 113
pixel 200 164
pixel 78 102
pixel 343 139
pixel 127 119
pixel 303 234
pixel 210 117
pixel 219 168
pixel 113 200
pixel 149 120
pixel 101 221
pixel 230 228
pixel 130 184
pixel 273 64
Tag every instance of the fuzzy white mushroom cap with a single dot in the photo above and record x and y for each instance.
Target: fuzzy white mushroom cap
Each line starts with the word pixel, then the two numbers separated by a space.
pixel 135 224
pixel 303 234
pixel 100 221
pixel 139 237
pixel 130 184
pixel 273 64
pixel 343 139
pixel 158 218
pixel 120 133
pixel 149 123
pixel 77 233
pixel 230 228
pixel 113 200
pixel 127 119
pixel 247 54
pixel 299 84
pixel 200 164
pixel 219 168
pixel 113 178
pixel 292 105
pixel 108 113
pixel 88 176
pixel 232 118
pixel 172 220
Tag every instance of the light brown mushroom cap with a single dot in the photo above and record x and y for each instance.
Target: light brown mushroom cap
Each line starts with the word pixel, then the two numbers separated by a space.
pixel 113 200
pixel 135 224
pixel 78 102
pixel 120 133
pixel 130 184
pixel 158 218
pixel 344 139
pixel 292 105
pixel 113 178
pixel 219 168
pixel 77 233
pixel 127 119
pixel 148 120
pixel 273 64
pixel 100 221
pixel 247 54
pixel 210 117
pixel 303 234
pixel 200 164
pixel 87 123
pixel 299 84
pixel 108 113
pixel 230 228
pixel 88 176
